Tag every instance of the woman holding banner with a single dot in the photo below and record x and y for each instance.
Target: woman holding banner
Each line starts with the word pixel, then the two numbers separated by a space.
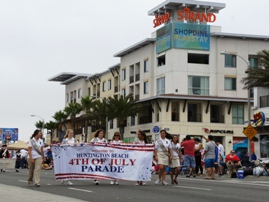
pixel 163 155
pixel 99 138
pixel 141 139
pixel 69 139
pixel 116 140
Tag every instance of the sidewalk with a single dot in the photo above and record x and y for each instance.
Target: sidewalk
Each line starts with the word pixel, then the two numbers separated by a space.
pixel 14 194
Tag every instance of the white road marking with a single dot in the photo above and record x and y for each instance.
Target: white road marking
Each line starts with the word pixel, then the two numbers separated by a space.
pixel 80 189
pixel 204 189
pixel 23 181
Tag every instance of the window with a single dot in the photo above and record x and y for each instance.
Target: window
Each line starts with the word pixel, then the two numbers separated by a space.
pixel 109 84
pixel 111 123
pixel 67 97
pixel 264 145
pixel 132 120
pixel 89 91
pixel 217 114
pixel 237 114
pixel 198 58
pixel 161 60
pixel 253 61
pixel 160 86
pixel 79 93
pixel 123 92
pixel 146 87
pixel 146 65
pixel 198 85
pixel 230 84
pixel 230 60
pixel 123 74
pixel 104 86
pixel 194 113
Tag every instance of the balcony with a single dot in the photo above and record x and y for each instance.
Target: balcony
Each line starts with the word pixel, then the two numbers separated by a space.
pixel 116 89
pixel 264 101
pixel 137 77
pixel 131 79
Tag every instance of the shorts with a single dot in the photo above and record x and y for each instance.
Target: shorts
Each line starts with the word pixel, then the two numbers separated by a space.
pixel 163 159
pixel 189 161
pixel 175 162
pixel 209 163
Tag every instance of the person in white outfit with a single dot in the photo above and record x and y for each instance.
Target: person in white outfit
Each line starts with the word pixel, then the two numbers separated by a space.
pixel 69 139
pixel 99 138
pixel 141 139
pixel 116 140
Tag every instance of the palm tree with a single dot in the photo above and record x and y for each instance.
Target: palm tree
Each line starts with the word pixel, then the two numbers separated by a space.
pixel 60 119
pixel 122 107
pixel 51 126
pixel 87 105
pixel 72 110
pixel 100 112
pixel 258 77
pixel 39 125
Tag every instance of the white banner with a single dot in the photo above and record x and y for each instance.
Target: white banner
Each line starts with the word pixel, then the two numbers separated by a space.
pixel 103 161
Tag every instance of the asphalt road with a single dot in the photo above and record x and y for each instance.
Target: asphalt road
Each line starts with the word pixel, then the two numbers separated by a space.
pixel 223 189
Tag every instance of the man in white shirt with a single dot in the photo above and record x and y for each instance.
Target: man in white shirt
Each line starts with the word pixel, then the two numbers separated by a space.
pixel 24 154
pixel 220 147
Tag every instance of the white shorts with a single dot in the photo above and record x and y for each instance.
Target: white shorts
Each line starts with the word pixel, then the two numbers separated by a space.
pixel 162 158
pixel 175 162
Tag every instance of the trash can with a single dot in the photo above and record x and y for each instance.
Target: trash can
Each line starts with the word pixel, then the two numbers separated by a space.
pixel 240 174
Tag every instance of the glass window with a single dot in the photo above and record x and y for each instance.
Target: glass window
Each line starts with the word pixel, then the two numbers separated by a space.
pixel 109 84
pixel 123 92
pixel 194 113
pixel 146 87
pixel 79 93
pixel 198 85
pixel 146 65
pixel 104 86
pixel 253 61
pixel 230 60
pixel 67 98
pixel 161 60
pixel 230 84
pixel 237 114
pixel 160 86
pixel 198 58
pixel 123 74
pixel 264 145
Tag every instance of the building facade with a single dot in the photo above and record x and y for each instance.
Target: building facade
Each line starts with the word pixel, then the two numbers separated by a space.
pixel 180 77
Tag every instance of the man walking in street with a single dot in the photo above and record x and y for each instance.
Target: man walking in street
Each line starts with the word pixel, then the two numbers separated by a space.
pixel 209 154
pixel 188 158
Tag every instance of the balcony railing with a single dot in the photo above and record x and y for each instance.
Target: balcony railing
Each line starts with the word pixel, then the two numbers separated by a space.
pixel 131 79
pixel 137 77
pixel 116 89
pixel 264 101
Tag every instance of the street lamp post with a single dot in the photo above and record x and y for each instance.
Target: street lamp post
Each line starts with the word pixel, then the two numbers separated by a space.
pixel 249 108
pixel 42 129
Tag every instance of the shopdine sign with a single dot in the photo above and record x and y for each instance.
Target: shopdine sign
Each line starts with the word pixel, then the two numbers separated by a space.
pixel 206 130
pixel 185 14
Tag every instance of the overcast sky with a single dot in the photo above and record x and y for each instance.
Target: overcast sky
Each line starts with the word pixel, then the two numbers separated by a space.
pixel 42 38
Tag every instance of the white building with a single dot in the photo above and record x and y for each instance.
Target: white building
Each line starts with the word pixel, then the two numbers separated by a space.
pixel 184 84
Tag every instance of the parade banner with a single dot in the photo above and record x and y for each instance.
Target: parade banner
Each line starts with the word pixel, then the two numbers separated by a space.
pixel 103 161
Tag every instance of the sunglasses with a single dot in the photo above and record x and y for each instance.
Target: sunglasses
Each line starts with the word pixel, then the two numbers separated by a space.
pixel 116 135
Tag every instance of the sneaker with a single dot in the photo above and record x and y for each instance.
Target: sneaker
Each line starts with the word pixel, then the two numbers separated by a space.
pixel 96 182
pixel 158 181
pixel 3 170
pixel 137 184
pixel 175 181
pixel 116 182
pixel 37 185
pixel 62 182
pixel 187 175
pixel 70 183
pixel 112 182
pixel 164 183
pixel 17 170
pixel 143 183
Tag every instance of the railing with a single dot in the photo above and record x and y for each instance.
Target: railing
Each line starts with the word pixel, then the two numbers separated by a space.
pixel 131 79
pixel 264 101
pixel 116 89
pixel 217 119
pixel 137 77
pixel 145 119
pixel 195 118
